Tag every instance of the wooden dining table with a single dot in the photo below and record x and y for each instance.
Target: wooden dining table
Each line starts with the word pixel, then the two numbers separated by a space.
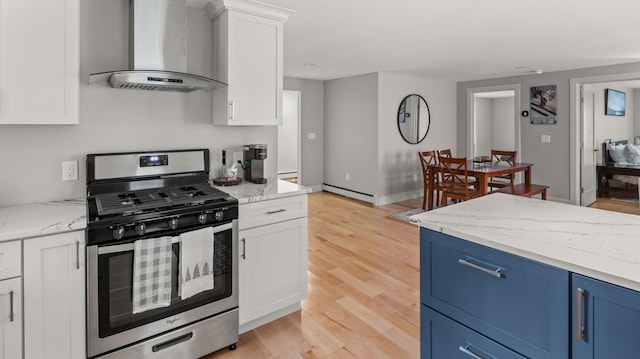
pixel 482 172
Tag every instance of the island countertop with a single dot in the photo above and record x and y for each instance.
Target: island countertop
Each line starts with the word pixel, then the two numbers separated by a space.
pixel 601 244
pixel 39 219
pixel 247 192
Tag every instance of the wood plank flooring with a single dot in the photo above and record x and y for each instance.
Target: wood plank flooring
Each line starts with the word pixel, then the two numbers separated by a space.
pixel 363 286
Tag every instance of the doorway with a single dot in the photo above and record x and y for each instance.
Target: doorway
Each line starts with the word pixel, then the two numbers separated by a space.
pixel 493 119
pixel 591 127
pixel 289 138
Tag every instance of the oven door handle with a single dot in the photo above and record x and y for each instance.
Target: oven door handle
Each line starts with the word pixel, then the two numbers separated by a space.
pixel 129 246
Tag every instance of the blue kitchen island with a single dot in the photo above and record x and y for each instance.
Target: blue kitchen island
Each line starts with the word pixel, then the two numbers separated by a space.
pixel 511 277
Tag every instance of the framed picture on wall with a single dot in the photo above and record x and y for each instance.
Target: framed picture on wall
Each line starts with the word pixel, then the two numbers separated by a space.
pixel 544 105
pixel 615 102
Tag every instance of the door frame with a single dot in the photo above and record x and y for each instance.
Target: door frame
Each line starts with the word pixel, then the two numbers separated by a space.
pixel 298 134
pixel 576 123
pixel 471 120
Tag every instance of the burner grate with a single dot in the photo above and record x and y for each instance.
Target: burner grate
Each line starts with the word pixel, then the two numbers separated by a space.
pixel 157 198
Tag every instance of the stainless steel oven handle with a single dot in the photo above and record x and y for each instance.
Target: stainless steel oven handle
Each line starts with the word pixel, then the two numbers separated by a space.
pixel 129 246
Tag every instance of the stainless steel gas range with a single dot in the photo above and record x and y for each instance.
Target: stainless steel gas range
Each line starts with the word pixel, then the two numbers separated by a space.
pixel 161 261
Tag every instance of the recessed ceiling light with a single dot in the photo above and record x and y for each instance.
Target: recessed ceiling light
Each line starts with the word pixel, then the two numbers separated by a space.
pixel 537 72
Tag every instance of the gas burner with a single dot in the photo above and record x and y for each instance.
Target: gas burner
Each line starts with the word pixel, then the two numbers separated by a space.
pixel 149 200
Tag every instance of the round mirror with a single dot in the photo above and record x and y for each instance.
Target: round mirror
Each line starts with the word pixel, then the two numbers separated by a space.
pixel 414 118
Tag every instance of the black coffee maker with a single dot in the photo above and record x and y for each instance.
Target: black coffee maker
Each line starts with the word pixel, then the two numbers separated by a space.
pixel 254 156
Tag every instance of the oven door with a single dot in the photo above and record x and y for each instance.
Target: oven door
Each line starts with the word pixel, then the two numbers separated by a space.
pixel 111 323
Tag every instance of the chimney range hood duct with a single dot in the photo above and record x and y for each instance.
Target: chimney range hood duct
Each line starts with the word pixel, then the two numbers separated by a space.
pixel 158 50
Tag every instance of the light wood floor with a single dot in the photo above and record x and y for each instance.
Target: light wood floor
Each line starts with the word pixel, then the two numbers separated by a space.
pixel 363 286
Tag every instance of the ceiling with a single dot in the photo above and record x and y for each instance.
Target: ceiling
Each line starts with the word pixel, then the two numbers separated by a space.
pixel 457 39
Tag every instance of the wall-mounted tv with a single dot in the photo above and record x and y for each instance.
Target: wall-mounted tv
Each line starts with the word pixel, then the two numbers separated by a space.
pixel 615 102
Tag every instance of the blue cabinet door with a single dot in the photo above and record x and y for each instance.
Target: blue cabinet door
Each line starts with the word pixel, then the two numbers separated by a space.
pixel 605 320
pixel 444 338
pixel 519 303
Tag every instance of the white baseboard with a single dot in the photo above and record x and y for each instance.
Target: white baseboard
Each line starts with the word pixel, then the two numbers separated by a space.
pixel 349 193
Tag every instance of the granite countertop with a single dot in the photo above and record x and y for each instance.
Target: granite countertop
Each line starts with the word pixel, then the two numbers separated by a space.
pixel 39 219
pixel 600 244
pixel 247 192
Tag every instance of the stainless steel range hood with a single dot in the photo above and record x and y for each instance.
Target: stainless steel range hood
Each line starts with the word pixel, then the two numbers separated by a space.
pixel 158 50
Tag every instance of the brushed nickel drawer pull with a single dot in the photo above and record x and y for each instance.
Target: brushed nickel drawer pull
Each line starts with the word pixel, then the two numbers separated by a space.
pixel 495 273
pixel 232 111
pixel 244 248
pixel 580 328
pixel 77 254
pixel 11 306
pixel 469 352
pixel 277 211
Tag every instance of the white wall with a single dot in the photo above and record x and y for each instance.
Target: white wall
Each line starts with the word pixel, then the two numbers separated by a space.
pixel 612 127
pixel 112 120
pixel 636 114
pixel 351 133
pixel 502 125
pixel 399 173
pixel 311 122
pixel 484 126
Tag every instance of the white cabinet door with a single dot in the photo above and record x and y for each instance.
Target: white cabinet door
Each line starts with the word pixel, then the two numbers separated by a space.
pixel 273 268
pixel 39 61
pixel 11 318
pixel 248 57
pixel 54 292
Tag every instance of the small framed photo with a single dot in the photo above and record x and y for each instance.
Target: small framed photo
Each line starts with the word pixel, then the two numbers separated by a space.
pixel 615 102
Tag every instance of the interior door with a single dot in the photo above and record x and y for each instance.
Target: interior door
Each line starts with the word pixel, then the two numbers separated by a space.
pixel 588 181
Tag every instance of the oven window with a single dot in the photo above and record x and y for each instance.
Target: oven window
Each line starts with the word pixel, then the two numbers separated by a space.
pixel 115 287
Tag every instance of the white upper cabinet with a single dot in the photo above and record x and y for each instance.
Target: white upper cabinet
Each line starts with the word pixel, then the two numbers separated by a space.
pixel 248 57
pixel 39 61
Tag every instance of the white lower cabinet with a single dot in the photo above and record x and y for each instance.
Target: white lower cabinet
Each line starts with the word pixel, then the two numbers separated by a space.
pixel 272 265
pixel 11 318
pixel 54 292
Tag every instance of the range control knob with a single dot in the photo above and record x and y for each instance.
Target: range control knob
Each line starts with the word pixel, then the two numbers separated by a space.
pixel 219 215
pixel 118 232
pixel 173 223
pixel 140 228
pixel 202 218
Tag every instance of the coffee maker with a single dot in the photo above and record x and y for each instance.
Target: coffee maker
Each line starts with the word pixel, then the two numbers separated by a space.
pixel 254 156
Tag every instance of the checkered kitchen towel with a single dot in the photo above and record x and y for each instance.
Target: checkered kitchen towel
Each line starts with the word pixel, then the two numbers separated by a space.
pixel 151 274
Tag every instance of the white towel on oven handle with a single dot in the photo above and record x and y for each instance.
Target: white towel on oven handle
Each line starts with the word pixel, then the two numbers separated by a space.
pixel 151 273
pixel 196 262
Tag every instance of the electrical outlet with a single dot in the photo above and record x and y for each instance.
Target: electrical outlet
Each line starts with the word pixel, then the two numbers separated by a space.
pixel 347 177
pixel 238 157
pixel 415 177
pixel 69 170
pixel 545 138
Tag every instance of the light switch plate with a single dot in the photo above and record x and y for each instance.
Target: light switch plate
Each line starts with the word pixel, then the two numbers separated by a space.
pixel 545 138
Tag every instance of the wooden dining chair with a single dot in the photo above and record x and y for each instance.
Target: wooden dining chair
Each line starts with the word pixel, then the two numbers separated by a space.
pixel 429 158
pixel 504 180
pixel 456 184
pixel 444 153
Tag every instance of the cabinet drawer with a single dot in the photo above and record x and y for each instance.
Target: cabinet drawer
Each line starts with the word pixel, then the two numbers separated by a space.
pixel 10 259
pixel 520 303
pixel 442 337
pixel 271 211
